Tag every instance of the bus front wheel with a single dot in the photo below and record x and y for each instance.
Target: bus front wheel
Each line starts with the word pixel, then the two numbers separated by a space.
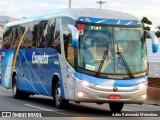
pixel 116 107
pixel 59 102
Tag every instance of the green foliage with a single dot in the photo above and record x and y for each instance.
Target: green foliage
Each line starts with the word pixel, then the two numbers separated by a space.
pixel 144 21
pixel 158 31
pixel 147 28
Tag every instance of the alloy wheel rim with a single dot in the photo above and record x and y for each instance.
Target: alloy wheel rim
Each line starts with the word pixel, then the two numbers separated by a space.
pixel 58 95
pixel 14 89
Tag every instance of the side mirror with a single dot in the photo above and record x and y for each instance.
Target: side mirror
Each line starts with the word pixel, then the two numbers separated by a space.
pixel 75 35
pixel 154 41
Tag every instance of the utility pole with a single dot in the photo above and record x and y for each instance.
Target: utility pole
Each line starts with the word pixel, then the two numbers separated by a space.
pixel 100 3
pixel 69 3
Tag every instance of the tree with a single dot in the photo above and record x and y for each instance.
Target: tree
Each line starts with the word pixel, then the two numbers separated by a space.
pixel 144 21
pixel 158 31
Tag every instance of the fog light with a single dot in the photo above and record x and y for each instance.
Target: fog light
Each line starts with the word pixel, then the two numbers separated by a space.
pixel 144 96
pixel 80 94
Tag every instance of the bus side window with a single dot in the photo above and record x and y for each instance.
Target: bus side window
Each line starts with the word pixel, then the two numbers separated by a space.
pixel 50 32
pixel 31 43
pixel 16 37
pixel 25 41
pixel 44 35
pixel 67 37
pixel 21 30
pixel 56 40
pixel 53 34
pixel 7 38
pixel 34 33
pixel 41 34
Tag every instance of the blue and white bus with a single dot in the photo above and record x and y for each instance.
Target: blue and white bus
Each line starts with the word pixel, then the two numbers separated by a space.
pixel 80 55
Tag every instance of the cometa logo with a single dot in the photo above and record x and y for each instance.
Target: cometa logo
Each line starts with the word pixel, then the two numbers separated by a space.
pixel 39 59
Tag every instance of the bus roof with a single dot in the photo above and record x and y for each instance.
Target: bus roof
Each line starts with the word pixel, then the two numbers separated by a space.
pixel 76 13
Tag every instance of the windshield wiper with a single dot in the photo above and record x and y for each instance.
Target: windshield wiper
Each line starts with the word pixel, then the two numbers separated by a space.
pixel 128 69
pixel 103 59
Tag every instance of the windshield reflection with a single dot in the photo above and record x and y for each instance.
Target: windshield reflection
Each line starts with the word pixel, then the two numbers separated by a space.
pixel 96 40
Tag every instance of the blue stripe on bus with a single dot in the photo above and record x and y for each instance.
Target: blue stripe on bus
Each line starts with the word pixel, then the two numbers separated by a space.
pixel 110 21
pixel 33 72
pixel 130 82
pixel 116 82
pixel 24 61
pixel 26 80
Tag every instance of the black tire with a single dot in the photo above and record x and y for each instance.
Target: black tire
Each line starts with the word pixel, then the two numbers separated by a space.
pixel 116 107
pixel 16 93
pixel 58 101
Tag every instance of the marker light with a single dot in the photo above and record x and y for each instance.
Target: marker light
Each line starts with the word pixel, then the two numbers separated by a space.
pixel 80 94
pixel 141 85
pixel 85 83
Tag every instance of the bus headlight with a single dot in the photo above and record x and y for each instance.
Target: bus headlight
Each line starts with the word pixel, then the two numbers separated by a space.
pixel 80 94
pixel 85 83
pixel 142 85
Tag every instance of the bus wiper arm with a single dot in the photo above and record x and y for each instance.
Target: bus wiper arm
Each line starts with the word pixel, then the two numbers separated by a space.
pixel 128 69
pixel 102 61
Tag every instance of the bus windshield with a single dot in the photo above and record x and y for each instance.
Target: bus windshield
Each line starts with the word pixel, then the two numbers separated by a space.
pixel 99 47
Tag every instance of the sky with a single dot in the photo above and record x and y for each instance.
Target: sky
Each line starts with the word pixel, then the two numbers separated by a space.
pixel 27 8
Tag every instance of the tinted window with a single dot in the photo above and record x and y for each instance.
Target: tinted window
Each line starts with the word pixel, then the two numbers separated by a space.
pixel 56 41
pixel 40 40
pixel 53 34
pixel 12 36
pixel 25 42
pixel 50 32
pixel 67 37
pixel 36 33
pixel 7 38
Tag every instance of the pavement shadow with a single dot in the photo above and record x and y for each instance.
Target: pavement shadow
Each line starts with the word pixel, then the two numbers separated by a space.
pixel 73 109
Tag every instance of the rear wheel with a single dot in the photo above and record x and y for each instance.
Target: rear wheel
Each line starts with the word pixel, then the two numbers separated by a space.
pixel 16 93
pixel 59 102
pixel 116 107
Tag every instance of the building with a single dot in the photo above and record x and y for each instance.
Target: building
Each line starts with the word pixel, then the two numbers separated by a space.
pixel 1 33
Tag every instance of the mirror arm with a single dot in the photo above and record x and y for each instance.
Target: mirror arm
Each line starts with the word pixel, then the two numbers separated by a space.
pixel 154 41
pixel 75 35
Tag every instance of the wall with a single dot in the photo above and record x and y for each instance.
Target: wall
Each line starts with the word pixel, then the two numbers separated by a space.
pixel 154 60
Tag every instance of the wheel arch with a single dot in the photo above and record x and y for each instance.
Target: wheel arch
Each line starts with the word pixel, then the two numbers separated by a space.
pixel 56 78
pixel 13 75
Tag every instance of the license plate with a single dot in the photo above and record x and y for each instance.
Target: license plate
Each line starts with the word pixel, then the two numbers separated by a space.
pixel 114 96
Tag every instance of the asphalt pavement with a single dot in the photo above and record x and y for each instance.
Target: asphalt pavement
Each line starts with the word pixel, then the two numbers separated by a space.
pixel 42 106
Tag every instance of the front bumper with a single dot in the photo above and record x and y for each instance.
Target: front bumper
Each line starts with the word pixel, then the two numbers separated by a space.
pixel 99 94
